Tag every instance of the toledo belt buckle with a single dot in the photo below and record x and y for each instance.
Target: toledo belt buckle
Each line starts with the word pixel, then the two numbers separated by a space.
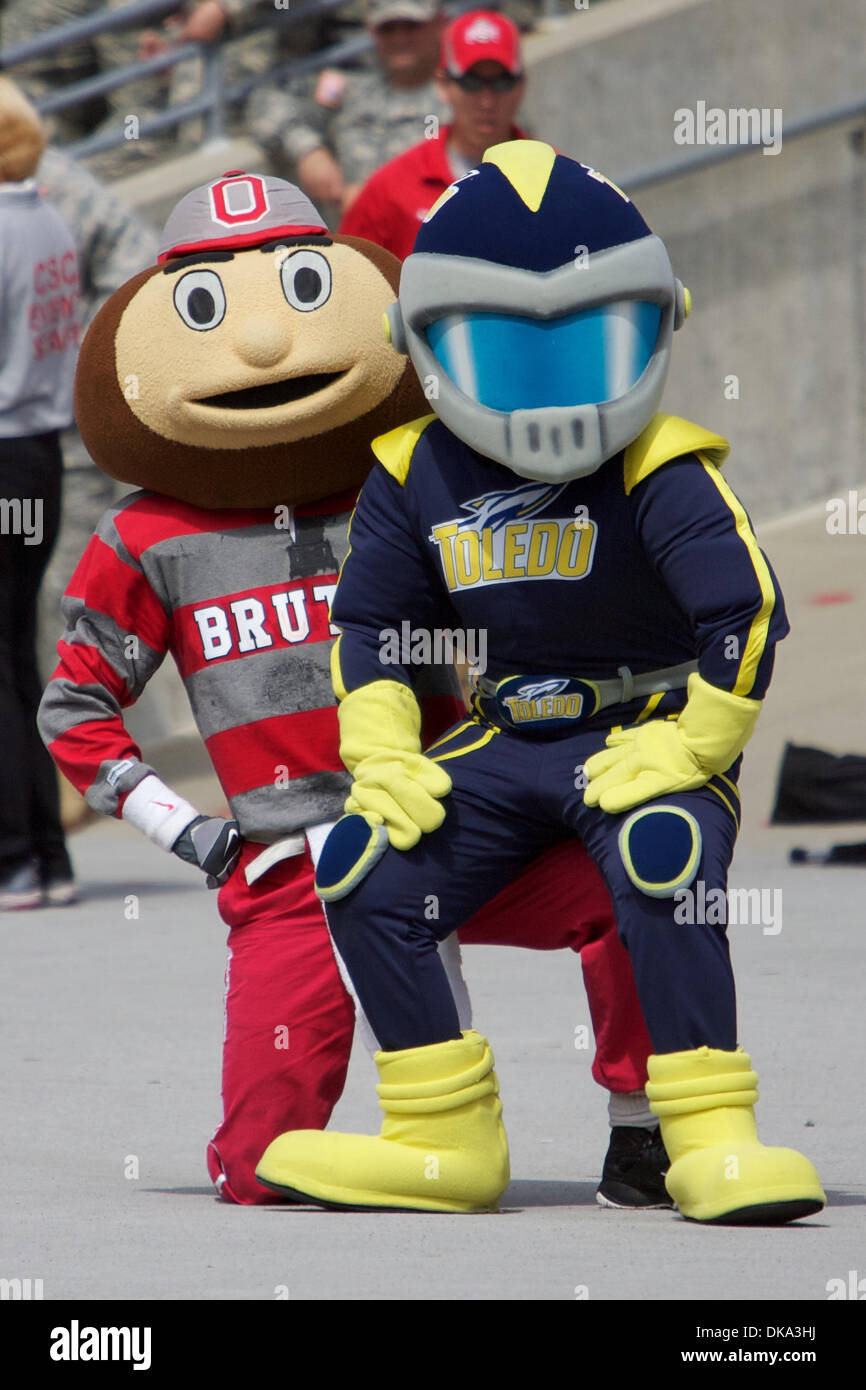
pixel 545 702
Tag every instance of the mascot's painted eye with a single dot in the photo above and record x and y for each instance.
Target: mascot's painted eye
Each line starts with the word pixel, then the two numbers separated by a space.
pixel 306 278
pixel 200 299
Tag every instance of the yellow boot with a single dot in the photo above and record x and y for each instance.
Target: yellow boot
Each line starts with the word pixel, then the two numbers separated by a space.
pixel 719 1171
pixel 442 1146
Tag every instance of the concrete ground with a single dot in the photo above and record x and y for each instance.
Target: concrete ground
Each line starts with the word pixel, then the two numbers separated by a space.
pixel 111 1027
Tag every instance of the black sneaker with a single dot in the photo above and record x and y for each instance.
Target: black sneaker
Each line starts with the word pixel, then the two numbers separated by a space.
pixel 634 1170
pixel 20 889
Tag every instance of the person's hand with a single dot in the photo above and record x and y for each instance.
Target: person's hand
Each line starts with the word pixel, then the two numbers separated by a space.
pixel 151 42
pixel 320 176
pixel 665 756
pixel 178 28
pixel 395 785
pixel 213 845
pixel 639 764
pixel 402 791
pixel 205 24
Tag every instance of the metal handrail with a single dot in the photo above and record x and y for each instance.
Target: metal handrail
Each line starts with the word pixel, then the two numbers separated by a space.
pixel 214 96
pixel 104 82
pixel 341 52
pixel 804 125
pixel 211 101
pixel 102 22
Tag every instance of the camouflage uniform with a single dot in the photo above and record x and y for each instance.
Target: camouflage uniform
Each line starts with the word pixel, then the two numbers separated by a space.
pixel 249 52
pixel 113 243
pixel 24 19
pixel 141 97
pixel 102 53
pixel 243 55
pixel 372 122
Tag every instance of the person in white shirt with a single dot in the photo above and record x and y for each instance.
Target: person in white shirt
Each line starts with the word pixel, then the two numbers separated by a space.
pixel 39 337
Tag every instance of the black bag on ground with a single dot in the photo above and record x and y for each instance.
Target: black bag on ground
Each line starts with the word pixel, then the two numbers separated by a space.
pixel 815 787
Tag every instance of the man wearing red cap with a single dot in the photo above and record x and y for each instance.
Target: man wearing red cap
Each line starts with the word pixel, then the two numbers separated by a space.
pixel 481 78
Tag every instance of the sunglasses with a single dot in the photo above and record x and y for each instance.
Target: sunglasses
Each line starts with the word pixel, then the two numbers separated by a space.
pixel 471 82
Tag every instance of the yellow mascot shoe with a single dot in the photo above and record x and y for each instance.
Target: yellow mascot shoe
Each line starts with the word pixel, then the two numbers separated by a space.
pixel 442 1145
pixel 719 1170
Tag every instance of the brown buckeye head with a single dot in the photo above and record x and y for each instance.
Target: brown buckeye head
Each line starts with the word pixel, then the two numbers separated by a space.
pixel 246 375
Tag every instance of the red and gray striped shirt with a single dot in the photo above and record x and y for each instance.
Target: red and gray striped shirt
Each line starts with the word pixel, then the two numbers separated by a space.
pixel 241 601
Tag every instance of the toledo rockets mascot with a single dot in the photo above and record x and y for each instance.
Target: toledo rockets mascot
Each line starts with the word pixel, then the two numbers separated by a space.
pixel 631 622
pixel 240 381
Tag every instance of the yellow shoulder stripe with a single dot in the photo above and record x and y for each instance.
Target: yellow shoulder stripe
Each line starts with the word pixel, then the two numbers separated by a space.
pixel 757 638
pixel 394 450
pixel 668 437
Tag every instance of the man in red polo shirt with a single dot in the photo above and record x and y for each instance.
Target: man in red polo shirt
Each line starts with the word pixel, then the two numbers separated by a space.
pixel 481 78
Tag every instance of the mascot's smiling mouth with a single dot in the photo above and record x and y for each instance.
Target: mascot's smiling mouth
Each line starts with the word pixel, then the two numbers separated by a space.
pixel 293 388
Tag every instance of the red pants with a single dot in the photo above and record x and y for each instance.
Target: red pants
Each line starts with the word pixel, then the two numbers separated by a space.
pixel 289 1019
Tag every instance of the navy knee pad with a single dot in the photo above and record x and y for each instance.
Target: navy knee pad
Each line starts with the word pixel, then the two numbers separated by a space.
pixel 351 850
pixel 660 847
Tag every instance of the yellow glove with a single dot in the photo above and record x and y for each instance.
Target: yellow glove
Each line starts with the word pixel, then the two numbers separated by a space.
pixel 380 743
pixel 664 756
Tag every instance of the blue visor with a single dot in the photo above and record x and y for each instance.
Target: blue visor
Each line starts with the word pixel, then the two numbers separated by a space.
pixel 509 362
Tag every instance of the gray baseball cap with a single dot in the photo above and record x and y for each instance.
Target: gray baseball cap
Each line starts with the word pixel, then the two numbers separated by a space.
pixel 238 210
pixel 378 12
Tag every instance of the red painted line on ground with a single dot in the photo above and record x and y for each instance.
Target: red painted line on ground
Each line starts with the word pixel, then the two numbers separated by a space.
pixel 844 596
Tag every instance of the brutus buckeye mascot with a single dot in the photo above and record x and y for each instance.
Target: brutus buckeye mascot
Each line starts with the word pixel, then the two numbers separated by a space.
pixel 631 621
pixel 239 382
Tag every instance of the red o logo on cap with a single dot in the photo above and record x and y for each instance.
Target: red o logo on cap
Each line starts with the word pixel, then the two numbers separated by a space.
pixel 238 200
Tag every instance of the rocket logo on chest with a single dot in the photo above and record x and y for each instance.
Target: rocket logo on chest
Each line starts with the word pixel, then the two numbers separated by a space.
pixel 501 539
